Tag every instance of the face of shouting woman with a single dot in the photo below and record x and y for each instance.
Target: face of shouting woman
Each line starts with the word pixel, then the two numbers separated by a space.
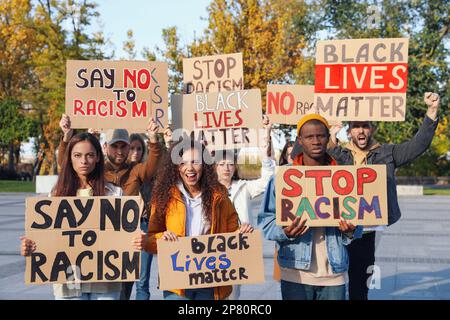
pixel 190 170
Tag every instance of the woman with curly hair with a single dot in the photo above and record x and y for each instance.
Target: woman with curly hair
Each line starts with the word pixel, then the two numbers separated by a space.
pixel 188 201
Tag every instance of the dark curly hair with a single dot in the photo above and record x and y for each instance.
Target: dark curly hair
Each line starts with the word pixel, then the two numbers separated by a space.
pixel 168 177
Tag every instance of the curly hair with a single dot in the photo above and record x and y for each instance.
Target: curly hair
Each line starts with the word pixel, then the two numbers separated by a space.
pixel 168 177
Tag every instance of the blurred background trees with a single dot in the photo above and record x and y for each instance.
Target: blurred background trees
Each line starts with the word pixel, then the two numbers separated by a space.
pixel 277 39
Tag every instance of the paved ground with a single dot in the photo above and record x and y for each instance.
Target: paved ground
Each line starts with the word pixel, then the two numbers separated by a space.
pixel 413 255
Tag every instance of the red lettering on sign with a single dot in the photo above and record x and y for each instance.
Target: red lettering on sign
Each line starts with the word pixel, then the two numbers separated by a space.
pixel 349 182
pixel 296 189
pixel 361 78
pixel 364 175
pixel 318 175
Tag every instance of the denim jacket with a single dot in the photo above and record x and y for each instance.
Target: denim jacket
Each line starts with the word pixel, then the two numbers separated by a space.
pixel 295 253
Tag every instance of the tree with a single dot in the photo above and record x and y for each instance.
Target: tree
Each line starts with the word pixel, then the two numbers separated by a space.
pixel 56 45
pixel 129 46
pixel 265 31
pixel 17 44
pixel 426 24
pixel 16 127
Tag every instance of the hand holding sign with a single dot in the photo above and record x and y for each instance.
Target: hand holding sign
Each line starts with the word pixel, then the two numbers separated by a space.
pixel 152 130
pixel 246 228
pixel 432 100
pixel 296 229
pixel 139 241
pixel 94 132
pixel 169 236
pixel 27 246
pixel 65 126
pixel 345 227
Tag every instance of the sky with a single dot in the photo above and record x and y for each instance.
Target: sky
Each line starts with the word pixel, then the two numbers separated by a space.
pixel 147 19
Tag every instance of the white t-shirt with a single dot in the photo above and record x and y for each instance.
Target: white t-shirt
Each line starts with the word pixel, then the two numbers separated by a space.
pixel 196 224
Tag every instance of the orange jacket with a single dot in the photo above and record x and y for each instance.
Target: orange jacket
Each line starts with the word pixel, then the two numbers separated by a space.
pixel 224 219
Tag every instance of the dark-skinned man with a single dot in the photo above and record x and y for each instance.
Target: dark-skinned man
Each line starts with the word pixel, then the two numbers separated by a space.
pixel 313 261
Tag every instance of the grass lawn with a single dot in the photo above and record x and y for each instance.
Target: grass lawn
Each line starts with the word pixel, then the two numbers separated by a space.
pixel 17 186
pixel 436 191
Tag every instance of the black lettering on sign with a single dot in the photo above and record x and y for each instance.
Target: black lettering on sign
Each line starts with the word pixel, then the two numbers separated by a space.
pixel 47 219
pixel 100 265
pixel 71 234
pixel 197 246
pixel 37 260
pixel 130 205
pixel 79 261
pixel 61 263
pixel 113 214
pixel 243 241
pixel 130 265
pixel 221 247
pixel 89 238
pixel 65 212
pixel 84 210
pixel 109 264
pixel 80 76
pixel 242 274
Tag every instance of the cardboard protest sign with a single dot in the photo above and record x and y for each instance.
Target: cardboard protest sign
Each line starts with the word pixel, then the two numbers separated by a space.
pixel 286 104
pixel 213 73
pixel 211 261
pixel 225 120
pixel 324 194
pixel 116 94
pixel 79 240
pixel 362 79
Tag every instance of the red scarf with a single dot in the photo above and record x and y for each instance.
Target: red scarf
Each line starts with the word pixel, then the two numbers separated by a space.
pixel 298 160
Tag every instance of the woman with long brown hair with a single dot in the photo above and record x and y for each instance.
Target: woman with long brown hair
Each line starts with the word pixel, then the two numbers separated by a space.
pixel 188 200
pixel 82 174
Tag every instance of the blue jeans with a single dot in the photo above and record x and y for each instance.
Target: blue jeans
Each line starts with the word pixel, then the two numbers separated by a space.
pixel 191 294
pixel 298 291
pixel 94 296
pixel 143 285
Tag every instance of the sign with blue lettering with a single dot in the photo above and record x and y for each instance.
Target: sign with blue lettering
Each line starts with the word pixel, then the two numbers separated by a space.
pixel 211 261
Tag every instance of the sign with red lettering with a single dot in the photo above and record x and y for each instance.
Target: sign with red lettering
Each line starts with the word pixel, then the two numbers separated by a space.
pixel 287 103
pixel 213 73
pixel 225 120
pixel 362 79
pixel 211 261
pixel 116 94
pixel 324 195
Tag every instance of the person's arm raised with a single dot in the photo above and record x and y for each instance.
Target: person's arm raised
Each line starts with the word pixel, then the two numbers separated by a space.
pixel 410 150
